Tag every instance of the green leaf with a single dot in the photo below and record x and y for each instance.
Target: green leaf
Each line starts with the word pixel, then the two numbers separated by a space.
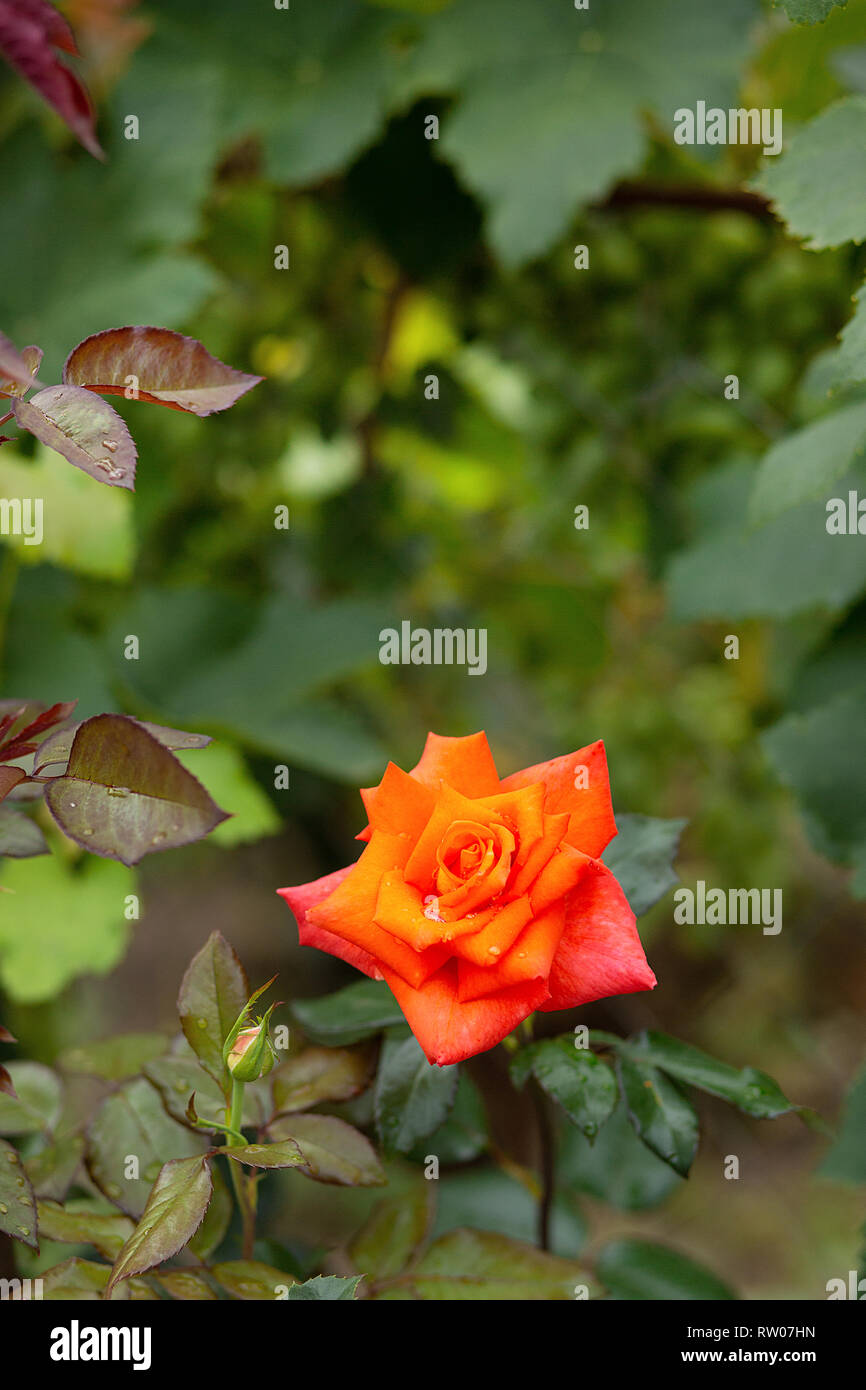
pixel 132 1123
pixel 20 837
pixel 37 1107
pixel 485 1198
pixel 63 921
pixel 464 1135
pixel 325 1286
pixel 583 1085
pixel 178 1077
pixel 787 566
pixel 662 1116
pixel 284 1154
pixel 822 755
pixel 84 429
pixel 848 362
pixel 333 1151
pixel 750 1090
pixel 77 1281
pixel 115 1058
pixel 805 464
pixel 637 1269
pixel 640 858
pixel 818 185
pixel 17 1202
pixel 85 1224
pixel 809 11
pixel 484 1266
pixel 52 1170
pixel 252 1280
pixel 584 83
pixel 846 1160
pixel 393 1231
pixel 174 1212
pixel 218 1217
pixel 212 994
pixel 411 1097
pixel 353 1013
pixel 618 1168
pixel 125 795
pixel 186 1285
pixel 319 1074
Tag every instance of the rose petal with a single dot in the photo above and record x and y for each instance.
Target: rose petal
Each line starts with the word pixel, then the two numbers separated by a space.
pixel 562 872
pixel 466 764
pixel 528 867
pixel 499 933
pixel 399 805
pixel 307 895
pixel 449 1031
pixel 592 825
pixel 349 912
pixel 530 958
pixel 600 953
pixel 451 806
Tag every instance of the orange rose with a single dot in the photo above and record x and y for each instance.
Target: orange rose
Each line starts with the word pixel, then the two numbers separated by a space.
pixel 480 900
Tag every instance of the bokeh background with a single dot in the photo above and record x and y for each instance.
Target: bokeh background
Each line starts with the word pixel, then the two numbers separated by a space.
pixel 557 387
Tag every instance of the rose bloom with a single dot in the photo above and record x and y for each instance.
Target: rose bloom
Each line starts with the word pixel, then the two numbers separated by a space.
pixel 480 900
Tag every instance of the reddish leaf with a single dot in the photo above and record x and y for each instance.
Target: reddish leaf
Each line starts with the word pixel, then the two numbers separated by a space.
pixel 17 369
pixel 29 30
pixel 174 1212
pixel 9 778
pixel 168 369
pixel 55 749
pixel 85 430
pixel 21 743
pixel 6 1084
pixel 124 795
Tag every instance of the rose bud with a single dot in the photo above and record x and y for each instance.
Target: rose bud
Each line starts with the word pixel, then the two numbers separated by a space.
pixel 248 1051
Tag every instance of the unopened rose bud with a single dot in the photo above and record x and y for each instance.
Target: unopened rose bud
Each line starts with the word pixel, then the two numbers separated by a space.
pixel 248 1051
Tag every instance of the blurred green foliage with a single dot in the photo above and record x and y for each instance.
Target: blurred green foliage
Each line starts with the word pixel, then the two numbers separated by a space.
pixel 557 387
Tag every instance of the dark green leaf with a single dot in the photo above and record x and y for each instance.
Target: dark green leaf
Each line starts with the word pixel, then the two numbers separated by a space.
pixel 325 1286
pixel 662 1116
pixel 617 1168
pixel 752 1091
pixel 353 1013
pixel 846 1160
pixel 637 1269
pixel 411 1096
pixel 640 858
pixel 583 1085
